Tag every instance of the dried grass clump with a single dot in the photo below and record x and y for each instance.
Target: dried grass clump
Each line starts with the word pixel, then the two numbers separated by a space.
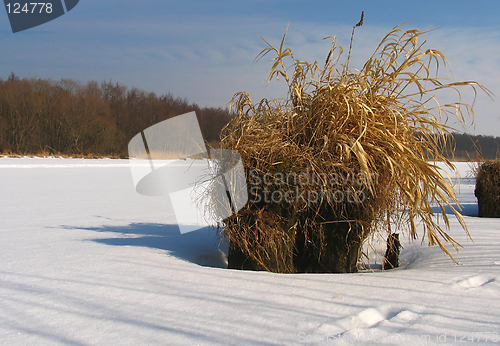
pixel 488 189
pixel 365 135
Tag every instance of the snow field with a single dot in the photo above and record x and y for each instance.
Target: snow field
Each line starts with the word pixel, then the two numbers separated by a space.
pixel 85 260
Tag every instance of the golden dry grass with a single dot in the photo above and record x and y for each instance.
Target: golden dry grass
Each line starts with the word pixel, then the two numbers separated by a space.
pixel 383 122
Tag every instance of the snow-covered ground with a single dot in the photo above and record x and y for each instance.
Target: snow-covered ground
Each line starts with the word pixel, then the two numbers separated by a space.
pixel 85 260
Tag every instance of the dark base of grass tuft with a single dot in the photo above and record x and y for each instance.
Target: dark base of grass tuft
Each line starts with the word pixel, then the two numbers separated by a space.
pixel 488 189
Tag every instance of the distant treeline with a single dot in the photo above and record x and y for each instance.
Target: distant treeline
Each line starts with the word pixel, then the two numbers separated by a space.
pixel 466 146
pixel 41 116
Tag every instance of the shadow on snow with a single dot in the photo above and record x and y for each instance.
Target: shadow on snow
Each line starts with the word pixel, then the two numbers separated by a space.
pixel 202 246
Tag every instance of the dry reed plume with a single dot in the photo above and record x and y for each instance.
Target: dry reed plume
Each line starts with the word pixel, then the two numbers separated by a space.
pixel 378 129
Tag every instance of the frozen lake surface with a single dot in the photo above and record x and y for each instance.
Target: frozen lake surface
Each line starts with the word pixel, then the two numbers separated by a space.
pixel 85 260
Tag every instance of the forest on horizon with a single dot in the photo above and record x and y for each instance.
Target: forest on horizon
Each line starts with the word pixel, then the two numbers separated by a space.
pixel 67 117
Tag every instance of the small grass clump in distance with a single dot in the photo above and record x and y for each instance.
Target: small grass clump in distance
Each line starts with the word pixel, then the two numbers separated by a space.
pixel 488 189
pixel 366 140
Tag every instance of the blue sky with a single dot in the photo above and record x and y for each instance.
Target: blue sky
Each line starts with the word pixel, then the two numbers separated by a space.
pixel 203 50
